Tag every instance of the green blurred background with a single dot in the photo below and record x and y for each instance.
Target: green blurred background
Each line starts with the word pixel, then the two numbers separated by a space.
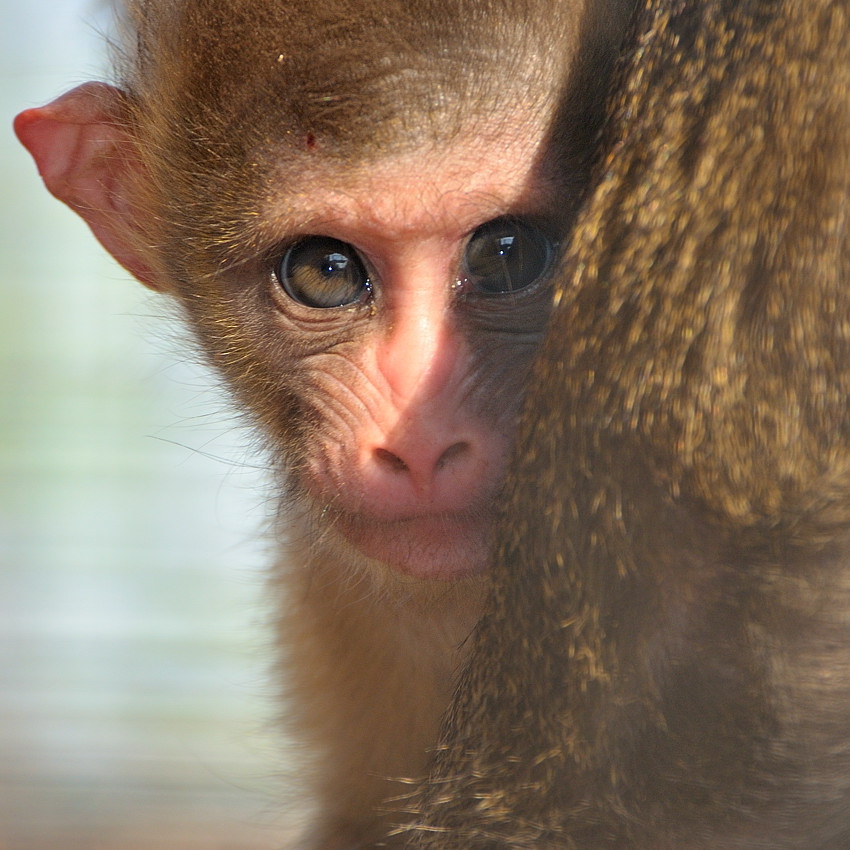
pixel 133 643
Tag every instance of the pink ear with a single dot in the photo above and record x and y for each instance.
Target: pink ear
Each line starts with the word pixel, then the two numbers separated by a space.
pixel 81 155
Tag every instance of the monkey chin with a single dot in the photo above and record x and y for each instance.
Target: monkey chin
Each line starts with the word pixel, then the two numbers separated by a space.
pixel 438 547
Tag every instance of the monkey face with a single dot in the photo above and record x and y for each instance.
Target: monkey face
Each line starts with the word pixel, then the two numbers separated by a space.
pixel 411 298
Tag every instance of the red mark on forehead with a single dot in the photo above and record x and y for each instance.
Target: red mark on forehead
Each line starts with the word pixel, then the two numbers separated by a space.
pixel 310 141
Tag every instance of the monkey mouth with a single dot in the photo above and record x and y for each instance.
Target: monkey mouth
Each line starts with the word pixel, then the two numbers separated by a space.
pixel 435 546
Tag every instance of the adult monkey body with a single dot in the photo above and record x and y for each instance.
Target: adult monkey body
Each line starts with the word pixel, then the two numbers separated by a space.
pixel 328 189
pixel 667 659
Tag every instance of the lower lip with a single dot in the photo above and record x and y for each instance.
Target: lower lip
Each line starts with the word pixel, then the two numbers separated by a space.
pixel 426 547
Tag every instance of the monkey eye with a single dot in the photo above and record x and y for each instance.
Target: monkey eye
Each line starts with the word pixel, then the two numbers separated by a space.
pixel 507 254
pixel 322 272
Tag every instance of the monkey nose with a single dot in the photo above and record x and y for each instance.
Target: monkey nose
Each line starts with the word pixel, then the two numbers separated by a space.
pixel 396 463
pixel 433 477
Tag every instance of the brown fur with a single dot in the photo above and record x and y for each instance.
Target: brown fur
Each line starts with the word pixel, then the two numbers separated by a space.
pixel 229 118
pixel 666 659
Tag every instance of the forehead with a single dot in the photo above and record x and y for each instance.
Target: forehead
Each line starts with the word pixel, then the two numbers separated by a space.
pixel 479 175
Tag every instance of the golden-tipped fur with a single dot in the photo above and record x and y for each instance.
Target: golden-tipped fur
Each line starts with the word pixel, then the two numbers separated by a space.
pixel 681 574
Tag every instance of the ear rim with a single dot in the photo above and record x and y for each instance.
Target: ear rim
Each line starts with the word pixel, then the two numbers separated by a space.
pixel 85 159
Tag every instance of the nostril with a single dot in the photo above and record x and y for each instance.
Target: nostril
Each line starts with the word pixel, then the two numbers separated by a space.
pixel 390 460
pixel 450 454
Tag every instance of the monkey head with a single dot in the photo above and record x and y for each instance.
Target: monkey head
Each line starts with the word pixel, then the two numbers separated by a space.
pixel 359 213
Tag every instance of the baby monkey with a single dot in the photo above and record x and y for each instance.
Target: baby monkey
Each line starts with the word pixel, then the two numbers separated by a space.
pixel 358 207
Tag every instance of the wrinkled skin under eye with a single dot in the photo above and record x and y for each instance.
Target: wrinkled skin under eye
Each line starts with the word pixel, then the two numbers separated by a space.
pixel 505 255
pixel 323 272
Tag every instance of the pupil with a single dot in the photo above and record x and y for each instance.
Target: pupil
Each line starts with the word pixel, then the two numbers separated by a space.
pixel 335 264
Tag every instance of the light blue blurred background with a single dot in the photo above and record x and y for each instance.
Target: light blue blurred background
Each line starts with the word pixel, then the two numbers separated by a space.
pixel 133 690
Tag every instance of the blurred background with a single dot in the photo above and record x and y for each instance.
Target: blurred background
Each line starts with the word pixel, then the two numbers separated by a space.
pixel 134 698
